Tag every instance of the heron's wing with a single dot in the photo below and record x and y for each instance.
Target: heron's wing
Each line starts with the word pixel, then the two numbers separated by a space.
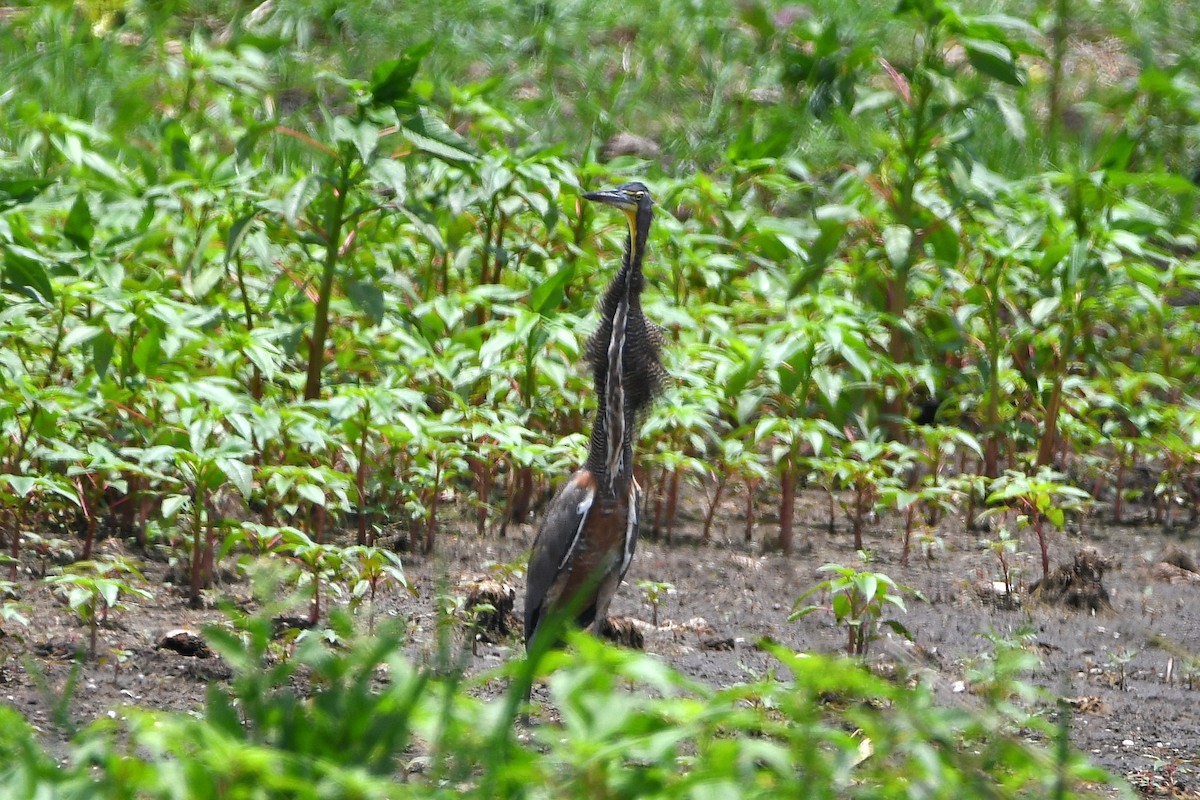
pixel 632 528
pixel 558 534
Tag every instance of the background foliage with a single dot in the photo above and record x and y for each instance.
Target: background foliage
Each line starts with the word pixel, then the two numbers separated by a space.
pixel 272 272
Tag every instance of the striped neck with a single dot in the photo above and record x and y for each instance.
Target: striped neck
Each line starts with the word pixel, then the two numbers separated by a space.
pixel 610 450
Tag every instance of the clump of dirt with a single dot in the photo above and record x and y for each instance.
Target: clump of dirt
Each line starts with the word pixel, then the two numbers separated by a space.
pixel 490 603
pixel 185 642
pixel 1176 556
pixel 1169 573
pixel 622 630
pixel 1077 585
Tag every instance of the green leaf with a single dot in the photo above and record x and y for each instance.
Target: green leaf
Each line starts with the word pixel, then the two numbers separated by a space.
pixel 60 487
pixel 841 607
pixel 110 592
pixel 172 503
pixel 736 381
pixel 79 228
pixel 931 11
pixel 239 474
pixel 548 295
pixel 898 627
pixel 392 80
pixel 80 335
pixel 390 173
pixel 1042 310
pixel 23 272
pixel 297 198
pixel 897 241
pixel 79 599
pixel 176 143
pixel 21 485
pixel 237 233
pixel 364 136
pixel 802 612
pixel 868 586
pixel 430 134
pixel 148 351
pixel 367 298
pixel 19 191
pixel 993 59
pixel 312 493
pixel 102 353
pixel 1014 120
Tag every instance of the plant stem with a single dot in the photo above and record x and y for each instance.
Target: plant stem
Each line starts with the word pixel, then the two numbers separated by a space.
pixel 672 504
pixel 194 565
pixel 712 507
pixel 360 480
pixel 787 507
pixel 751 487
pixel 334 220
pixel 1058 55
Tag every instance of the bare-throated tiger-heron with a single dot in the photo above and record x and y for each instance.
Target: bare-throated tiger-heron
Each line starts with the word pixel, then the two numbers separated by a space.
pixel 589 532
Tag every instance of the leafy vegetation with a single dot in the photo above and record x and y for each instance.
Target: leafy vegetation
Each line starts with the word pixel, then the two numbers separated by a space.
pixel 831 729
pixel 278 275
pixel 858 600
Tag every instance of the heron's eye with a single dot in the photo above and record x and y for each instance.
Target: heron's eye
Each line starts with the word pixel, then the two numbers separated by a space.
pixel 638 194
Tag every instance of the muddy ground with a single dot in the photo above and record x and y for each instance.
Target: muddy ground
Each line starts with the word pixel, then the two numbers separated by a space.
pixel 1113 663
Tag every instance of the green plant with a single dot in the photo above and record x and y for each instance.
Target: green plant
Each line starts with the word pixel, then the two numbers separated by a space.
pixel 858 602
pixel 373 568
pixel 1036 500
pixel 94 588
pixel 1119 662
pixel 655 594
pixel 831 729
pixel 1002 546
pixel 321 566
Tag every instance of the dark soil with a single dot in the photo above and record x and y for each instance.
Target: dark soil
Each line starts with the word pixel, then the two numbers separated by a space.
pixel 1112 664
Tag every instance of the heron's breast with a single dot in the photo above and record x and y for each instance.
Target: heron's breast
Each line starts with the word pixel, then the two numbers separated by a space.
pixel 601 547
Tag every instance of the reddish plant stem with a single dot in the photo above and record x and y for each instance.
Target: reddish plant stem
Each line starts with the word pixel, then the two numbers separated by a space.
pixel 860 492
pixel 712 507
pixel 659 494
pixel 194 583
pixel 431 523
pixel 672 504
pixel 522 494
pixel 787 509
pixel 908 526
pixel 751 488
pixel 360 480
pixel 1119 489
pixel 483 491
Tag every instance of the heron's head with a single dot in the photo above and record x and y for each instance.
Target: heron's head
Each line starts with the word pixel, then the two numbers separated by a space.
pixel 632 198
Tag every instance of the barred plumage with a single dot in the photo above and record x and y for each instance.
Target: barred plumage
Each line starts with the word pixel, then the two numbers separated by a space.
pixel 589 532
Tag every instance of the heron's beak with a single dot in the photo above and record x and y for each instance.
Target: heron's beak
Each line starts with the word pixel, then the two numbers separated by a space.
pixel 618 199
pixel 612 197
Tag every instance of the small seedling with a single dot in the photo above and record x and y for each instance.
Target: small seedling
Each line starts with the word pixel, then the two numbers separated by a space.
pixel 1036 499
pixel 1119 663
pixel 655 594
pixel 857 601
pixel 375 567
pixel 1002 547
pixel 118 657
pixel 94 588
pixel 321 565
